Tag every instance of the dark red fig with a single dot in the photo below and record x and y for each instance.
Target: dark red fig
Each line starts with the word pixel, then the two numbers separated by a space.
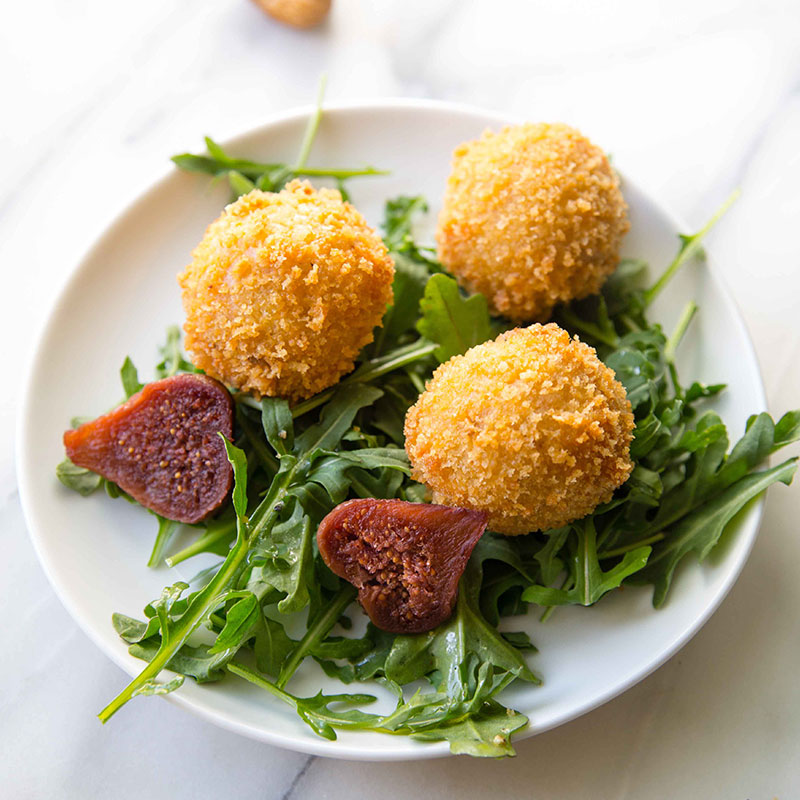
pixel 405 559
pixel 162 446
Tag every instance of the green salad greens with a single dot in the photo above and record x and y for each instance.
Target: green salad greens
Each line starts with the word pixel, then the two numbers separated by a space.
pixel 293 464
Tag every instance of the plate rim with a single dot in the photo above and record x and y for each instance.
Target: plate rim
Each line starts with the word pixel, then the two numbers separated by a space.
pixel 324 748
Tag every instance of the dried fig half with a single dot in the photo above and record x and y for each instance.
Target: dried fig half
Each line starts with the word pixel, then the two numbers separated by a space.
pixel 404 558
pixel 162 446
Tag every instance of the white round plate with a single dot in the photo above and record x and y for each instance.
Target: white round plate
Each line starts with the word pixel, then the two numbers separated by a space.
pixel 123 296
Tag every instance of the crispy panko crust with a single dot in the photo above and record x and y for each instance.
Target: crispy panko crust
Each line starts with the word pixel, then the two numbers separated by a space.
pixel 532 216
pixel 284 290
pixel 531 427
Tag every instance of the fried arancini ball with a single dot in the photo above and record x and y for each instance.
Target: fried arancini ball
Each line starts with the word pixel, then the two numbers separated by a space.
pixel 532 428
pixel 284 290
pixel 532 216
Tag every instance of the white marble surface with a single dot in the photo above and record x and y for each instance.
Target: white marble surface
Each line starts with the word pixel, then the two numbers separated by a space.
pixel 693 98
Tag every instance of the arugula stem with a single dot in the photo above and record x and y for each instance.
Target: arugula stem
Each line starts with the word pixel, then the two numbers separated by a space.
pixel 618 551
pixel 317 631
pixel 589 545
pixel 202 544
pixel 341 174
pixel 415 379
pixel 377 345
pixel 676 384
pixel 589 328
pixel 258 680
pixel 217 620
pixel 166 528
pixel 312 127
pixel 680 329
pixel 629 323
pixel 548 612
pixel 691 245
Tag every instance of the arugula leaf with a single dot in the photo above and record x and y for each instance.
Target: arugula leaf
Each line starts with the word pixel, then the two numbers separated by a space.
pixel 398 218
pixel 246 621
pixel 284 559
pixel 550 564
pixel 480 726
pixel 398 231
pixel 374 458
pixel 194 662
pixel 623 289
pixel 238 461
pixel 79 479
pixel 787 430
pixel 239 623
pixel 266 176
pixel 276 419
pixel 130 378
pixel 315 711
pixel 454 322
pixel 699 531
pixel 172 359
pixel 337 416
pixel 448 649
pixel 590 581
pixel 485 733
pixel 408 287
pixel 132 630
pixel 174 633
pixel 272 645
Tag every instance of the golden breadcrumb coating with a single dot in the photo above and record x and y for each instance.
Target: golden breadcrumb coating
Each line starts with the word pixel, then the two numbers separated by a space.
pixel 532 428
pixel 532 216
pixel 284 290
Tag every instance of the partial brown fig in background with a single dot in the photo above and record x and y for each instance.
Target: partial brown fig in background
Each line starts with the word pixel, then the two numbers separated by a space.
pixel 297 13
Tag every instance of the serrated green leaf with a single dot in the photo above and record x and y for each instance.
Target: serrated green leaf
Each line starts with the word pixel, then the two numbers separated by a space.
pixel 285 559
pixel 590 581
pixel 454 322
pixel 486 734
pixel 699 531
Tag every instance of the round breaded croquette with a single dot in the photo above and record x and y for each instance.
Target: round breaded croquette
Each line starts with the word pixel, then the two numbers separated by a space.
pixel 532 216
pixel 284 290
pixel 532 428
